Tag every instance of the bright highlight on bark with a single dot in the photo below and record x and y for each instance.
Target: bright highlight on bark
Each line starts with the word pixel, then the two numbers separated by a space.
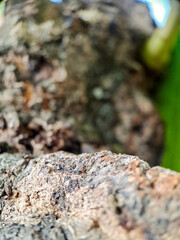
pixel 159 10
pixel 56 1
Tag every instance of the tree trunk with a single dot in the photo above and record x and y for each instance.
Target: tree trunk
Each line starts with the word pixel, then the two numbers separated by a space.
pixel 77 64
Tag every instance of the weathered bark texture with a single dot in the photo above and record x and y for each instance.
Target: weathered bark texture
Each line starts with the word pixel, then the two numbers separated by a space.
pixel 89 196
pixel 77 64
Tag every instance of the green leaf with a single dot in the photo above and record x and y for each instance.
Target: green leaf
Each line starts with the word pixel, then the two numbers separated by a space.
pixel 2 6
pixel 169 106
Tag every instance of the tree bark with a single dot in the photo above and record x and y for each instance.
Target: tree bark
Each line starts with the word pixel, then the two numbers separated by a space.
pixel 77 64
pixel 88 196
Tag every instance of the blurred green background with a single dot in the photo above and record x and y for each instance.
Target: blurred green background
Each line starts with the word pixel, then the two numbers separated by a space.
pixel 168 104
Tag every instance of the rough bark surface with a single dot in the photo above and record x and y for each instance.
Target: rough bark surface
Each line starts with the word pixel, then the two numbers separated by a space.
pixel 77 65
pixel 89 196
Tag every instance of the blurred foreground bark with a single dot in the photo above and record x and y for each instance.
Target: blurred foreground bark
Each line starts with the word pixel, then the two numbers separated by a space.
pixel 76 67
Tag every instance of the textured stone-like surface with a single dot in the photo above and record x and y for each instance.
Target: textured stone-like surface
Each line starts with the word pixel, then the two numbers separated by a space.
pixel 92 196
pixel 77 64
pixel 10 168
